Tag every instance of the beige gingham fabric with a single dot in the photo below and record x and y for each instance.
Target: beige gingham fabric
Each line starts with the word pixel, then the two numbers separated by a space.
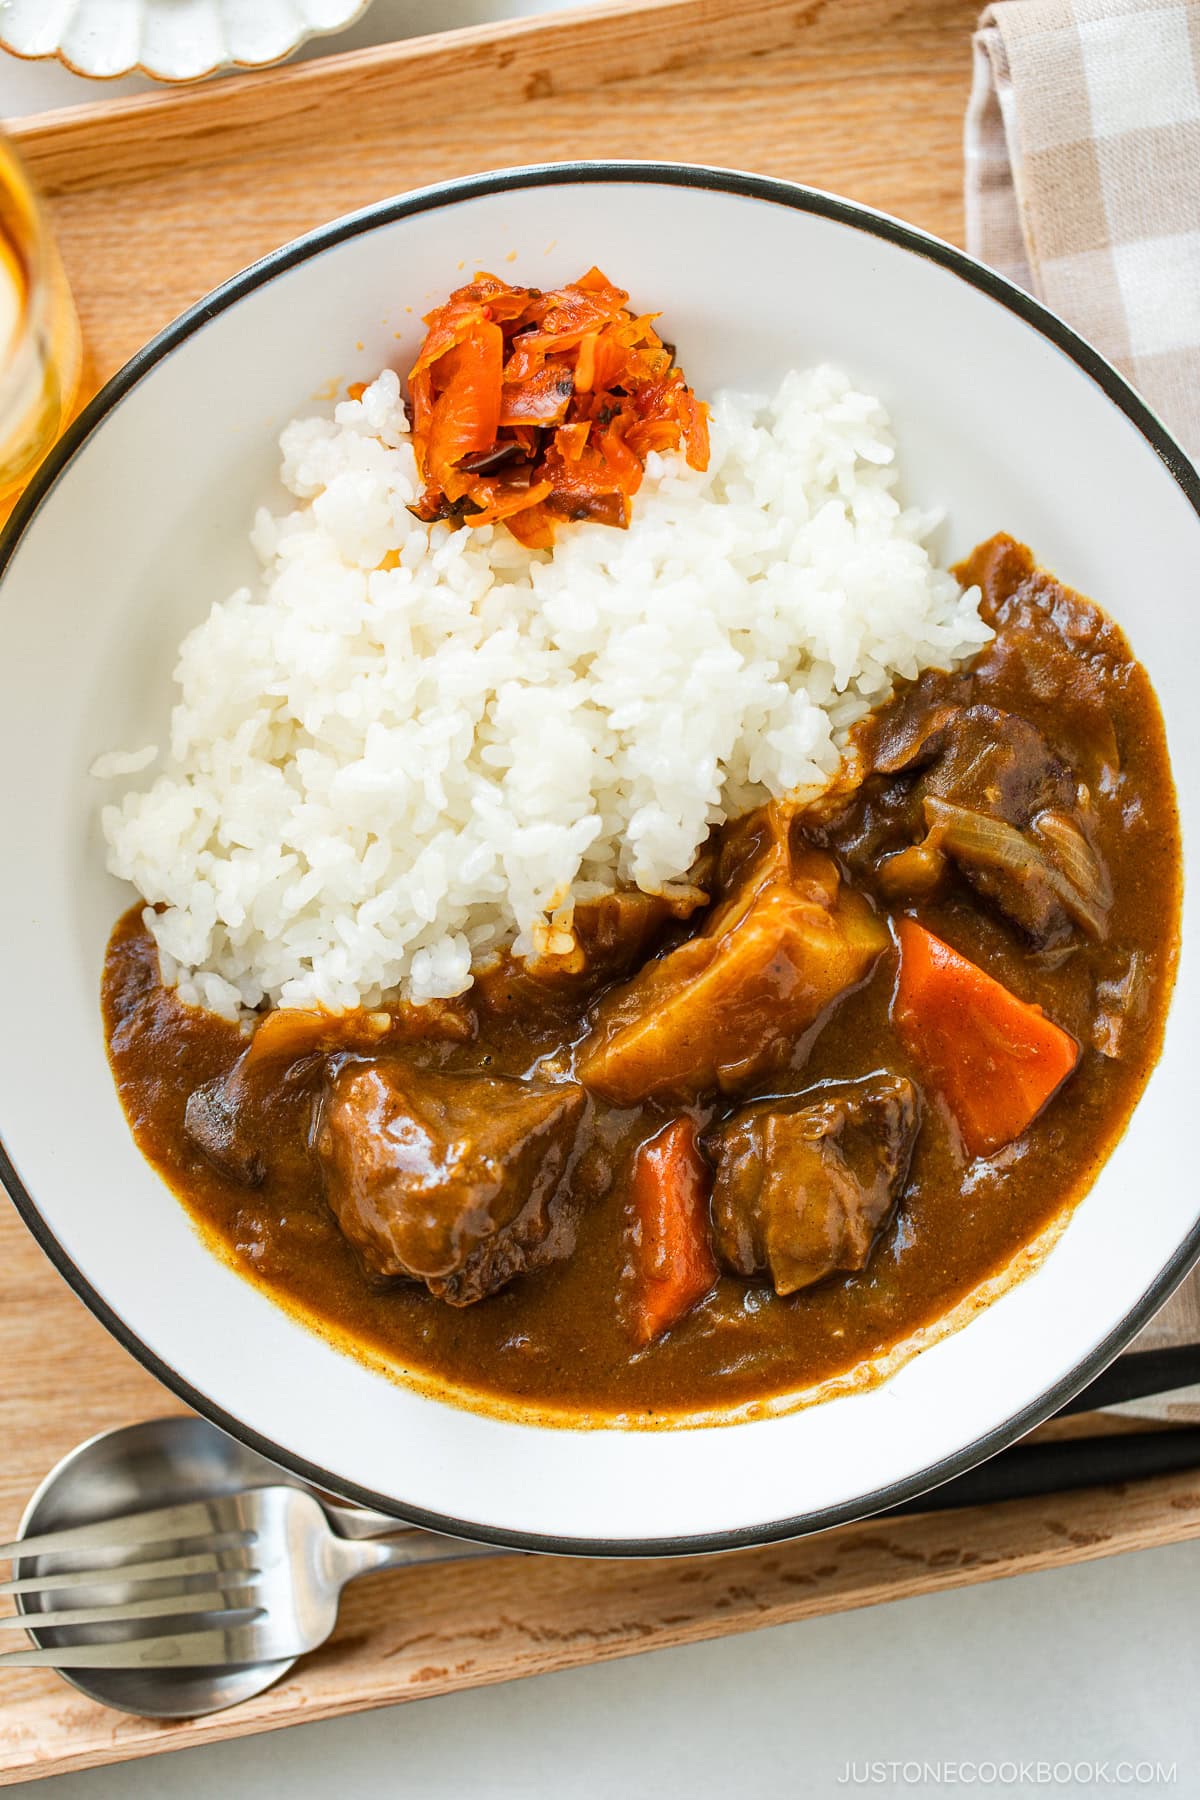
pixel 1083 185
pixel 1083 179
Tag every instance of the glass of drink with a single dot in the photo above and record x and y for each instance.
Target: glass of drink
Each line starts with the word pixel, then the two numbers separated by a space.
pixel 40 351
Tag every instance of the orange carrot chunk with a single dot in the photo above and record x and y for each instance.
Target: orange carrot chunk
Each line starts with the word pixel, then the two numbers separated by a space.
pixel 673 1261
pixel 994 1059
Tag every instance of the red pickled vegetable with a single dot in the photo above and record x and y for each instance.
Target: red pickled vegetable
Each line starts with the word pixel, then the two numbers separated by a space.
pixel 465 415
pixel 532 408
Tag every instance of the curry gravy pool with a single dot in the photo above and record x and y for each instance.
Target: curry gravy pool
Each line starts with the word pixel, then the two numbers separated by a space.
pixel 1053 721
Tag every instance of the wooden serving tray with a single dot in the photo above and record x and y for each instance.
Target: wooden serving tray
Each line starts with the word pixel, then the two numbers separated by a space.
pixel 157 200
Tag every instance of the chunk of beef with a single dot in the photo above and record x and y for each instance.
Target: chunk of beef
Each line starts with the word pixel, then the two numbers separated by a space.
pixel 453 1180
pixel 730 1003
pixel 615 931
pixel 979 788
pixel 993 779
pixel 992 761
pixel 610 934
pixel 753 851
pixel 225 1118
pixel 803 1185
pixel 222 1126
pixel 910 730
pixel 1053 650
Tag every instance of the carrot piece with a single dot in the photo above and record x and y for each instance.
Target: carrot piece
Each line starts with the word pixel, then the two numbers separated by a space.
pixel 533 525
pixel 571 440
pixel 673 1263
pixel 996 1060
pixel 610 357
pixel 541 399
pixel 501 501
pixel 466 413
pixel 695 430
pixel 585 363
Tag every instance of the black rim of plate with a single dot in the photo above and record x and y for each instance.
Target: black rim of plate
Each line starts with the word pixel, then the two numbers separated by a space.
pixel 747 186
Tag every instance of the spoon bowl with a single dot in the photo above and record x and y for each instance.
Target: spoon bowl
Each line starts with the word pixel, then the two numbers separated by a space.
pixel 161 1462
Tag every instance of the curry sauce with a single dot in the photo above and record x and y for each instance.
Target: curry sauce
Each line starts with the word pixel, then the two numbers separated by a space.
pixel 558 1337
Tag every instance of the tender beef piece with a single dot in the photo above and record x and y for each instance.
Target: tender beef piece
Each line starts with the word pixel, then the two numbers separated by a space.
pixel 615 931
pixel 225 1118
pixel 978 788
pixel 1053 649
pixel 803 1185
pixel 752 851
pixel 994 762
pixel 453 1180
pixel 222 1126
pixel 612 934
pixel 787 938
pixel 995 766
pixel 910 730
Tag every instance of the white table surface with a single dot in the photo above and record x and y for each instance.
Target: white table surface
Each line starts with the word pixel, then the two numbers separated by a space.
pixel 1076 1682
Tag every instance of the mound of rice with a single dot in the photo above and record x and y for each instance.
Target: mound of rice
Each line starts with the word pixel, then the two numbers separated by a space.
pixel 410 745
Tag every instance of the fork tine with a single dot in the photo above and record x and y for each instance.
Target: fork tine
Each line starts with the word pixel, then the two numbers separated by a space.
pixel 227 1568
pixel 195 1519
pixel 209 1648
pixel 164 1606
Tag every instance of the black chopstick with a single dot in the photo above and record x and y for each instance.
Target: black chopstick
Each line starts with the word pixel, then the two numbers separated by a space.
pixel 1139 1375
pixel 1029 1470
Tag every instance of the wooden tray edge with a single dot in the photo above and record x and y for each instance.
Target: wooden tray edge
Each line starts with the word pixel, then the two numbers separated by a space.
pixel 549 53
pixel 134 141
pixel 852 1567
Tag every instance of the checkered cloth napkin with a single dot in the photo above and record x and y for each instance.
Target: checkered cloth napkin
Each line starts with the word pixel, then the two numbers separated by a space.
pixel 1083 179
pixel 1083 185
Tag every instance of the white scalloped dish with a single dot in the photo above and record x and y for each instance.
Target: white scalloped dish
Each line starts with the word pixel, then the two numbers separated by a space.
pixel 164 39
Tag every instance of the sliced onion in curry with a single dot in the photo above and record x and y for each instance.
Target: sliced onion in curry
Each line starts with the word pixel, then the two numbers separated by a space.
pixel 982 840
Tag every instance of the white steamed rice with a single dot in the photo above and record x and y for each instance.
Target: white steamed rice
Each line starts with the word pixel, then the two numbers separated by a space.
pixel 410 745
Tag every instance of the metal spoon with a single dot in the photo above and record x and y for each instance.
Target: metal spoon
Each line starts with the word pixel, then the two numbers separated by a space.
pixel 164 1462
pixel 171 1461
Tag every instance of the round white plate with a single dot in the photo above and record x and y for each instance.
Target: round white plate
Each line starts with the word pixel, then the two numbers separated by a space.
pixel 140 521
pixel 166 39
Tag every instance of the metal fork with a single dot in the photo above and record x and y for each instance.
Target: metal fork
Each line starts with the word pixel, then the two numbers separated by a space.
pixel 257 1575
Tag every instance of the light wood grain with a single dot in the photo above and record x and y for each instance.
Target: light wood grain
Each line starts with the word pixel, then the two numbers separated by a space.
pixel 157 201
pixel 160 199
pixel 429 1631
pixel 362 93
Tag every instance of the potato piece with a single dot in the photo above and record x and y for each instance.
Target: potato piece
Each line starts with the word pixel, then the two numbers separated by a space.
pixel 730 1003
